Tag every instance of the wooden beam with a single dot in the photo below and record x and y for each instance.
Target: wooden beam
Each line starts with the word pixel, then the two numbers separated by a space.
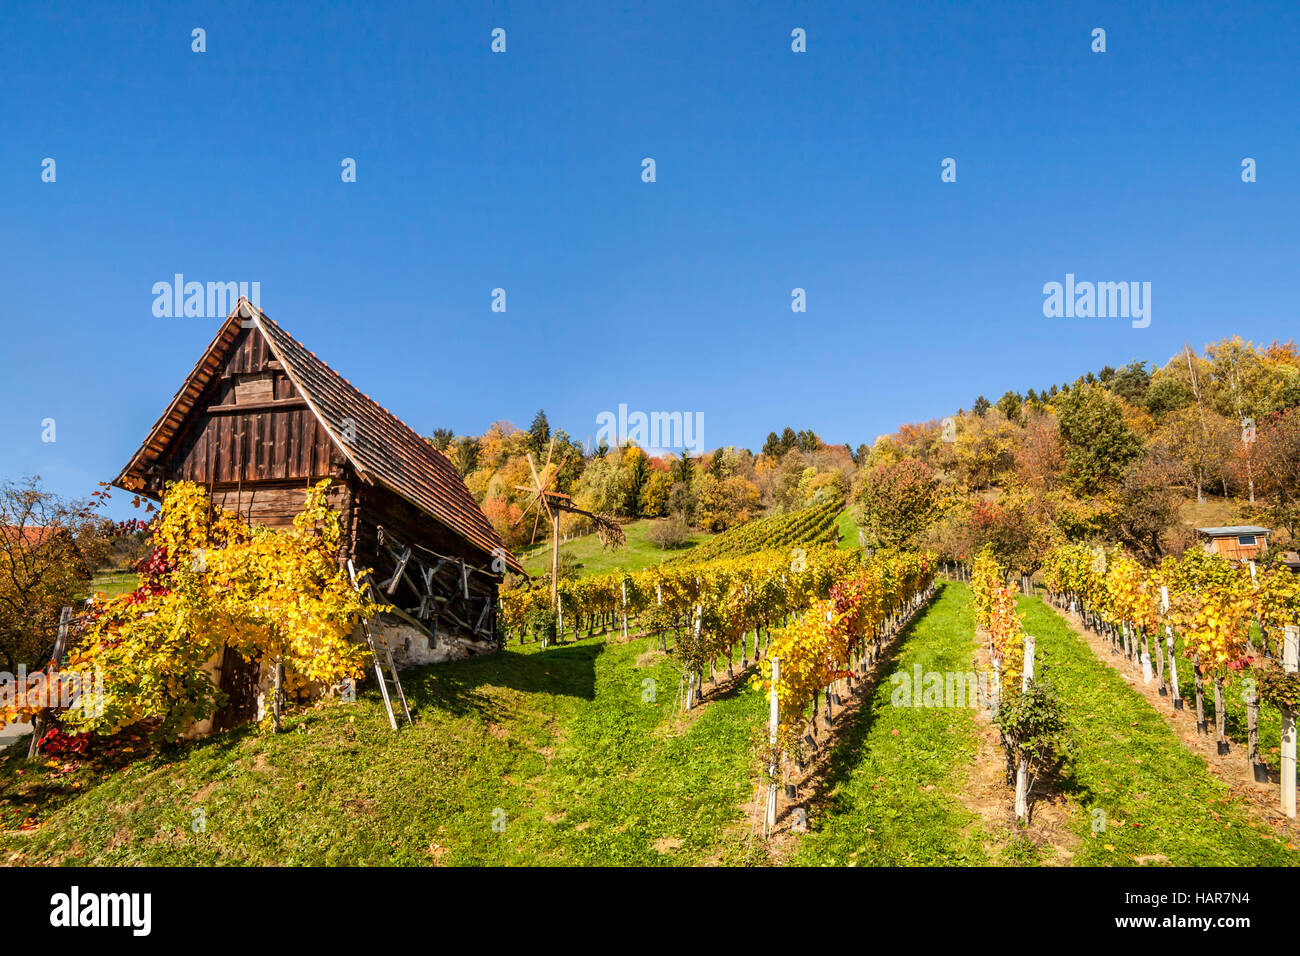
pixel 390 586
pixel 267 406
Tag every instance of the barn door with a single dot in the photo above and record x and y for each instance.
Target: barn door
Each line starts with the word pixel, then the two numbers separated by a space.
pixel 239 682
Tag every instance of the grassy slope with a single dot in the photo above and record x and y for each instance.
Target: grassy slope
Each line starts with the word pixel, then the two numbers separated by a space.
pixel 593 559
pixel 559 740
pixel 111 583
pixel 583 771
pixel 896 776
pixel 1157 796
pixel 848 529
pixel 1160 801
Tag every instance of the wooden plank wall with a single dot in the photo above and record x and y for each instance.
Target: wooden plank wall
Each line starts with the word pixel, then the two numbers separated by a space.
pixel 275 505
pixel 1230 549
pixel 263 444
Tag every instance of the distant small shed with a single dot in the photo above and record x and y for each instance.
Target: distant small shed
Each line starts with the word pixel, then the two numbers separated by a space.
pixel 1236 542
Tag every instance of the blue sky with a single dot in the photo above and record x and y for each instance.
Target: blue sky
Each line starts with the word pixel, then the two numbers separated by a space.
pixel 522 170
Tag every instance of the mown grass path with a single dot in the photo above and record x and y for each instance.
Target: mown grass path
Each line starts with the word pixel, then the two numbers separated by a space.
pixel 1159 803
pixel 895 779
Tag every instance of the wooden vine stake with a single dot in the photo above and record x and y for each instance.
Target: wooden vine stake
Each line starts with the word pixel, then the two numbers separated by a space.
pixel 1198 685
pixel 625 610
pixel 1022 761
pixel 1258 771
pixel 42 717
pixel 1147 675
pixel 774 719
pixel 1290 654
pixel 1169 642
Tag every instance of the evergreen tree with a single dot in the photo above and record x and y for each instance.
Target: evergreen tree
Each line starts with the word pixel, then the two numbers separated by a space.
pixel 539 433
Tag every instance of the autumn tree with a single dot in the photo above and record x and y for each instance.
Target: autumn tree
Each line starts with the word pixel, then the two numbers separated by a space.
pixel 1014 528
pixel 985 449
pixel 47 551
pixel 1148 509
pixel 1277 468
pixel 896 502
pixel 1098 445
pixel 655 492
pixel 504 516
pixel 465 455
pixel 1200 442
pixel 1039 457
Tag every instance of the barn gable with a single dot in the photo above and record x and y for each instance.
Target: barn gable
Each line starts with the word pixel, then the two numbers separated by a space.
pixel 259 411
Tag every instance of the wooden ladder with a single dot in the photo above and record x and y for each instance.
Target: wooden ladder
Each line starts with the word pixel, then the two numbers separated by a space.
pixel 382 659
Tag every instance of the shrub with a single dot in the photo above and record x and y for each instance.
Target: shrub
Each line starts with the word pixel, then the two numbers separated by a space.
pixel 669 533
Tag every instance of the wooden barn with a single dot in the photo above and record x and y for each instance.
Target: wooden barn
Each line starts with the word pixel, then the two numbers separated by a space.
pixel 260 418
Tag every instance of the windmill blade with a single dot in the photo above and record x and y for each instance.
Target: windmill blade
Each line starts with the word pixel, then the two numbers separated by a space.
pixel 548 477
pixel 537 518
pixel 532 466
pixel 524 514
pixel 549 448
pixel 555 475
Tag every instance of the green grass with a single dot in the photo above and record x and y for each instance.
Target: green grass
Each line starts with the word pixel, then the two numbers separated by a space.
pixel 557 747
pixel 896 777
pixel 111 583
pixel 563 752
pixel 593 559
pixel 848 530
pixel 1158 798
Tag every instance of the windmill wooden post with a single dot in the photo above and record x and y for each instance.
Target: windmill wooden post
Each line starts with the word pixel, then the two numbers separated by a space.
pixel 553 503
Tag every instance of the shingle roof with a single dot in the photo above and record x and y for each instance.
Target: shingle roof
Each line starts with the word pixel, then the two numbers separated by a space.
pixel 1234 529
pixel 382 449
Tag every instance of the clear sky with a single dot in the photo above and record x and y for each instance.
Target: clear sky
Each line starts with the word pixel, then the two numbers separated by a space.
pixel 523 171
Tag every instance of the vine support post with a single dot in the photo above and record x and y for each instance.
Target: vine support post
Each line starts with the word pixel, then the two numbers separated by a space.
pixel 624 610
pixel 1258 771
pixel 774 719
pixel 1169 642
pixel 279 693
pixel 1198 684
pixel 1160 663
pixel 1290 656
pixel 1022 761
pixel 1220 718
pixel 1027 678
pixel 42 718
